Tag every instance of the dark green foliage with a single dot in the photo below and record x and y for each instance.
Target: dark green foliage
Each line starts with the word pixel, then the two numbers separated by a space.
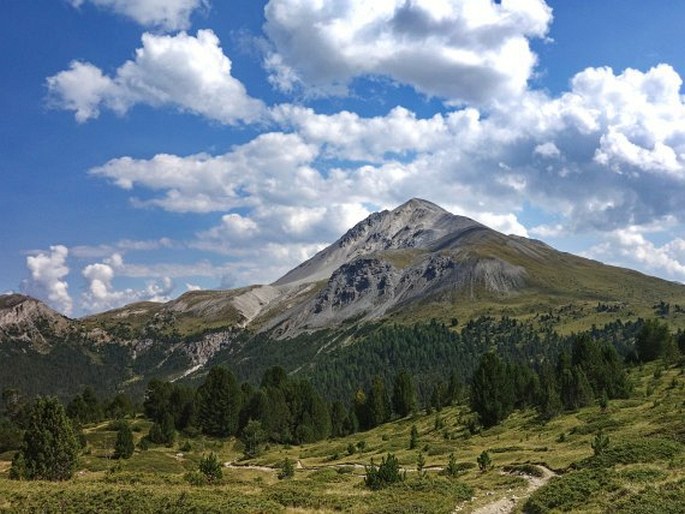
pixel 549 403
pixel 632 451
pixel 600 443
pixel 10 435
pixel 664 499
pixel 491 391
pixel 403 394
pixel 384 475
pixel 157 400
pixel 85 408
pixel 568 492
pixel 163 432
pixel 484 461
pixel 119 407
pixel 210 467
pixel 287 469
pixel 452 469
pixel 413 437
pixel 339 414
pixel 378 403
pixel 653 340
pixel 123 448
pixel 430 352
pixel 420 464
pixel 253 438
pixel 219 400
pixel 49 450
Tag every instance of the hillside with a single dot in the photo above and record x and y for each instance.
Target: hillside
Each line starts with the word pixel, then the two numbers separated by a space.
pixel 535 467
pixel 408 265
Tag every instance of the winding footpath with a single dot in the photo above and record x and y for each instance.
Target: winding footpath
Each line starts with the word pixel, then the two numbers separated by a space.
pixel 504 505
pixel 508 503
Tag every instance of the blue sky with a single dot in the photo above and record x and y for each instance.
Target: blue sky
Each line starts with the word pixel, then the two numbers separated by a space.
pixel 150 147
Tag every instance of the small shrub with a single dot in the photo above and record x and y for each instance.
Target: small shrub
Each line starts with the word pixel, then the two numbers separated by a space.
pixel 195 478
pixel 568 492
pixel 210 467
pixel 452 468
pixel 186 447
pixel 384 475
pixel 600 443
pixel 484 461
pixel 287 469
pixel 524 469
pixel 350 449
pixel 420 464
pixel 361 445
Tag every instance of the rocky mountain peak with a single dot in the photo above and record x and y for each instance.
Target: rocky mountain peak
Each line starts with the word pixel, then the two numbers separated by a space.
pixel 25 318
pixel 416 224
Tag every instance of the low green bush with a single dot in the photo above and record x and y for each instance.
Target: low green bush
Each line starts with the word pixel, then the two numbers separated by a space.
pixel 570 491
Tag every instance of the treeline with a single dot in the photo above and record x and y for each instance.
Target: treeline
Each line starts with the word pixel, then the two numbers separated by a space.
pixel 587 372
pixel 282 409
pixel 432 352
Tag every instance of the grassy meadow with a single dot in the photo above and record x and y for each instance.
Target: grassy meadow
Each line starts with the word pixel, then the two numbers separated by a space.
pixel 641 471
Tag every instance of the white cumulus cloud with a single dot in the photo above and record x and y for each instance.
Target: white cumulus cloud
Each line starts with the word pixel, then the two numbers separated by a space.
pixel 459 50
pixel 101 295
pixel 165 14
pixel 47 278
pixel 190 73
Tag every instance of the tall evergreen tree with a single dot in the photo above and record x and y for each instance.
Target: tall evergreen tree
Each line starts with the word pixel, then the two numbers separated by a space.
pixel 379 402
pixel 653 340
pixel 157 399
pixel 123 447
pixel 338 417
pixel 491 391
pixel 50 448
pixel 403 394
pixel 219 400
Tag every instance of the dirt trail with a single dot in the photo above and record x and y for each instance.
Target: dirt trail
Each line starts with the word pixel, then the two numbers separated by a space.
pixel 507 504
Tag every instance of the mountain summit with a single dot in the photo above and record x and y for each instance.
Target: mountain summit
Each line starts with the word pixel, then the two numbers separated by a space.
pixel 414 224
pixel 415 262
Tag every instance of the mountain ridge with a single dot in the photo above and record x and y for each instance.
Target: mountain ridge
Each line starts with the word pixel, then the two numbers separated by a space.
pixel 409 264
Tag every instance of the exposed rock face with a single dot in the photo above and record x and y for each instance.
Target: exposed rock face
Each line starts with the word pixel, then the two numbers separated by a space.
pixel 26 319
pixel 414 224
pixel 369 288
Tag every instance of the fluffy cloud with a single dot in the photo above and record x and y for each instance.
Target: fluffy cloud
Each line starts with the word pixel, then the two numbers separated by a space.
pixel 47 280
pixel 165 14
pixel 631 247
pixel 190 73
pixel 460 50
pixel 608 154
pixel 101 295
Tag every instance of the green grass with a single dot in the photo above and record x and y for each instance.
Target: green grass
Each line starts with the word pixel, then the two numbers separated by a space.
pixel 642 471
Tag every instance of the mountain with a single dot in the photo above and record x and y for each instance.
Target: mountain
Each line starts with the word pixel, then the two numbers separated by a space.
pixel 414 263
pixel 30 321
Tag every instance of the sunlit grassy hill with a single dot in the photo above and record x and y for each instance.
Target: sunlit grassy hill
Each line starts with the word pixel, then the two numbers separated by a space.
pixel 642 469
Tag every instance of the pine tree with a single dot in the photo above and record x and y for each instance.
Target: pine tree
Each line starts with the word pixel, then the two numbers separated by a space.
pixel 491 391
pixel 379 403
pixel 219 400
pixel 338 417
pixel 253 438
pixel 50 449
pixel 404 394
pixel 123 448
pixel 413 437
pixel 653 340
pixel 210 467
